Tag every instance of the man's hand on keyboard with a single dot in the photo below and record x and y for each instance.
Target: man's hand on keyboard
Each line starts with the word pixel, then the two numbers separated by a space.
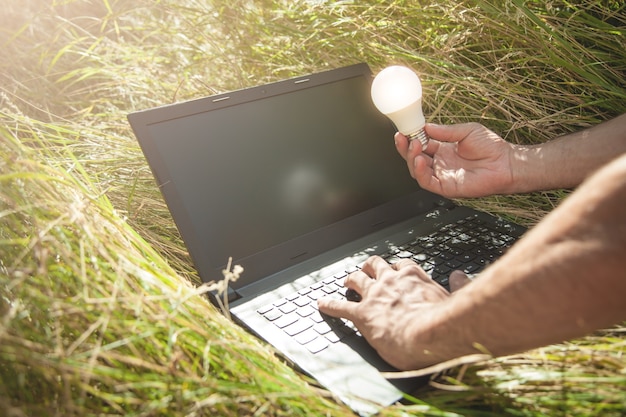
pixel 563 280
pixel 393 298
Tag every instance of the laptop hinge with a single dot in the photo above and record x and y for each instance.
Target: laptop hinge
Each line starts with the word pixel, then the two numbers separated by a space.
pixel 217 299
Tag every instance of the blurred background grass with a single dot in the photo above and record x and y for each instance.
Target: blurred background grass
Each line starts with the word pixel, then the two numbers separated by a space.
pixel 100 312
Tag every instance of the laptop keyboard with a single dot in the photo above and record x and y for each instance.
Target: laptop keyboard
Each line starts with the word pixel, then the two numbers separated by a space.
pixel 468 245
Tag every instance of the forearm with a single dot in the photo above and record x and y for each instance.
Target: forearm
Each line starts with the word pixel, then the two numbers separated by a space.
pixel 566 161
pixel 563 280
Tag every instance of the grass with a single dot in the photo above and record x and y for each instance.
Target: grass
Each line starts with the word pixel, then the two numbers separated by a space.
pixel 100 309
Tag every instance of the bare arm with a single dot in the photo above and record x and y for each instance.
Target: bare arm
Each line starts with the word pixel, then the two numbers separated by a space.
pixel 566 161
pixel 469 160
pixel 564 279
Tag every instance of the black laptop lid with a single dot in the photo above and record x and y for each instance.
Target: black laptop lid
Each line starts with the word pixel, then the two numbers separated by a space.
pixel 276 174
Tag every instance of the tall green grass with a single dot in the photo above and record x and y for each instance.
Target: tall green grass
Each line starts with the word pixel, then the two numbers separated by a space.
pixel 100 308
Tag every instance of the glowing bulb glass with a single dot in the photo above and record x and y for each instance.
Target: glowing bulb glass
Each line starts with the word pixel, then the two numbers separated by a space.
pixel 397 93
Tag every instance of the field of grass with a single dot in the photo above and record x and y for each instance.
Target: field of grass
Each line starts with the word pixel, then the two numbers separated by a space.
pixel 101 312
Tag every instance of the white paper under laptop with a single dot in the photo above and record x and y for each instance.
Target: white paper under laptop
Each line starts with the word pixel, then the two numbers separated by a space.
pixel 299 181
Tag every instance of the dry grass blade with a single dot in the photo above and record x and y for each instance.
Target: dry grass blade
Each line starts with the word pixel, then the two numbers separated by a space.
pixel 440 367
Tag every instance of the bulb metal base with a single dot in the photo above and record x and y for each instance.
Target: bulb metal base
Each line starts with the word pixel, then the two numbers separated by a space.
pixel 421 136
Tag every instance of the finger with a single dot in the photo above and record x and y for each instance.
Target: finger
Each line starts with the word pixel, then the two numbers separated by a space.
pixel 337 307
pixel 358 281
pixel 410 268
pixel 432 146
pixel 402 144
pixel 450 133
pixel 407 148
pixel 374 266
pixel 424 173
pixel 458 280
pixel 403 263
pixel 410 149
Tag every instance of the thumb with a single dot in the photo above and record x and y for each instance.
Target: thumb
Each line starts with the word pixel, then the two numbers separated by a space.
pixel 458 280
pixel 449 133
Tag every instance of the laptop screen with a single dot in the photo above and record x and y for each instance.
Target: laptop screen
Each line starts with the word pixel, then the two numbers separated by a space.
pixel 261 173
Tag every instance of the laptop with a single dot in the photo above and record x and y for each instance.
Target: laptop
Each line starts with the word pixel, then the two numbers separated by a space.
pixel 299 182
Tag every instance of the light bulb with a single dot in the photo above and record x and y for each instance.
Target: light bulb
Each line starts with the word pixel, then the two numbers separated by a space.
pixel 397 93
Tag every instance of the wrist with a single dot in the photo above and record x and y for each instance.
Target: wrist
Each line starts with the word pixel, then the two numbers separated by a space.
pixel 438 336
pixel 528 173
